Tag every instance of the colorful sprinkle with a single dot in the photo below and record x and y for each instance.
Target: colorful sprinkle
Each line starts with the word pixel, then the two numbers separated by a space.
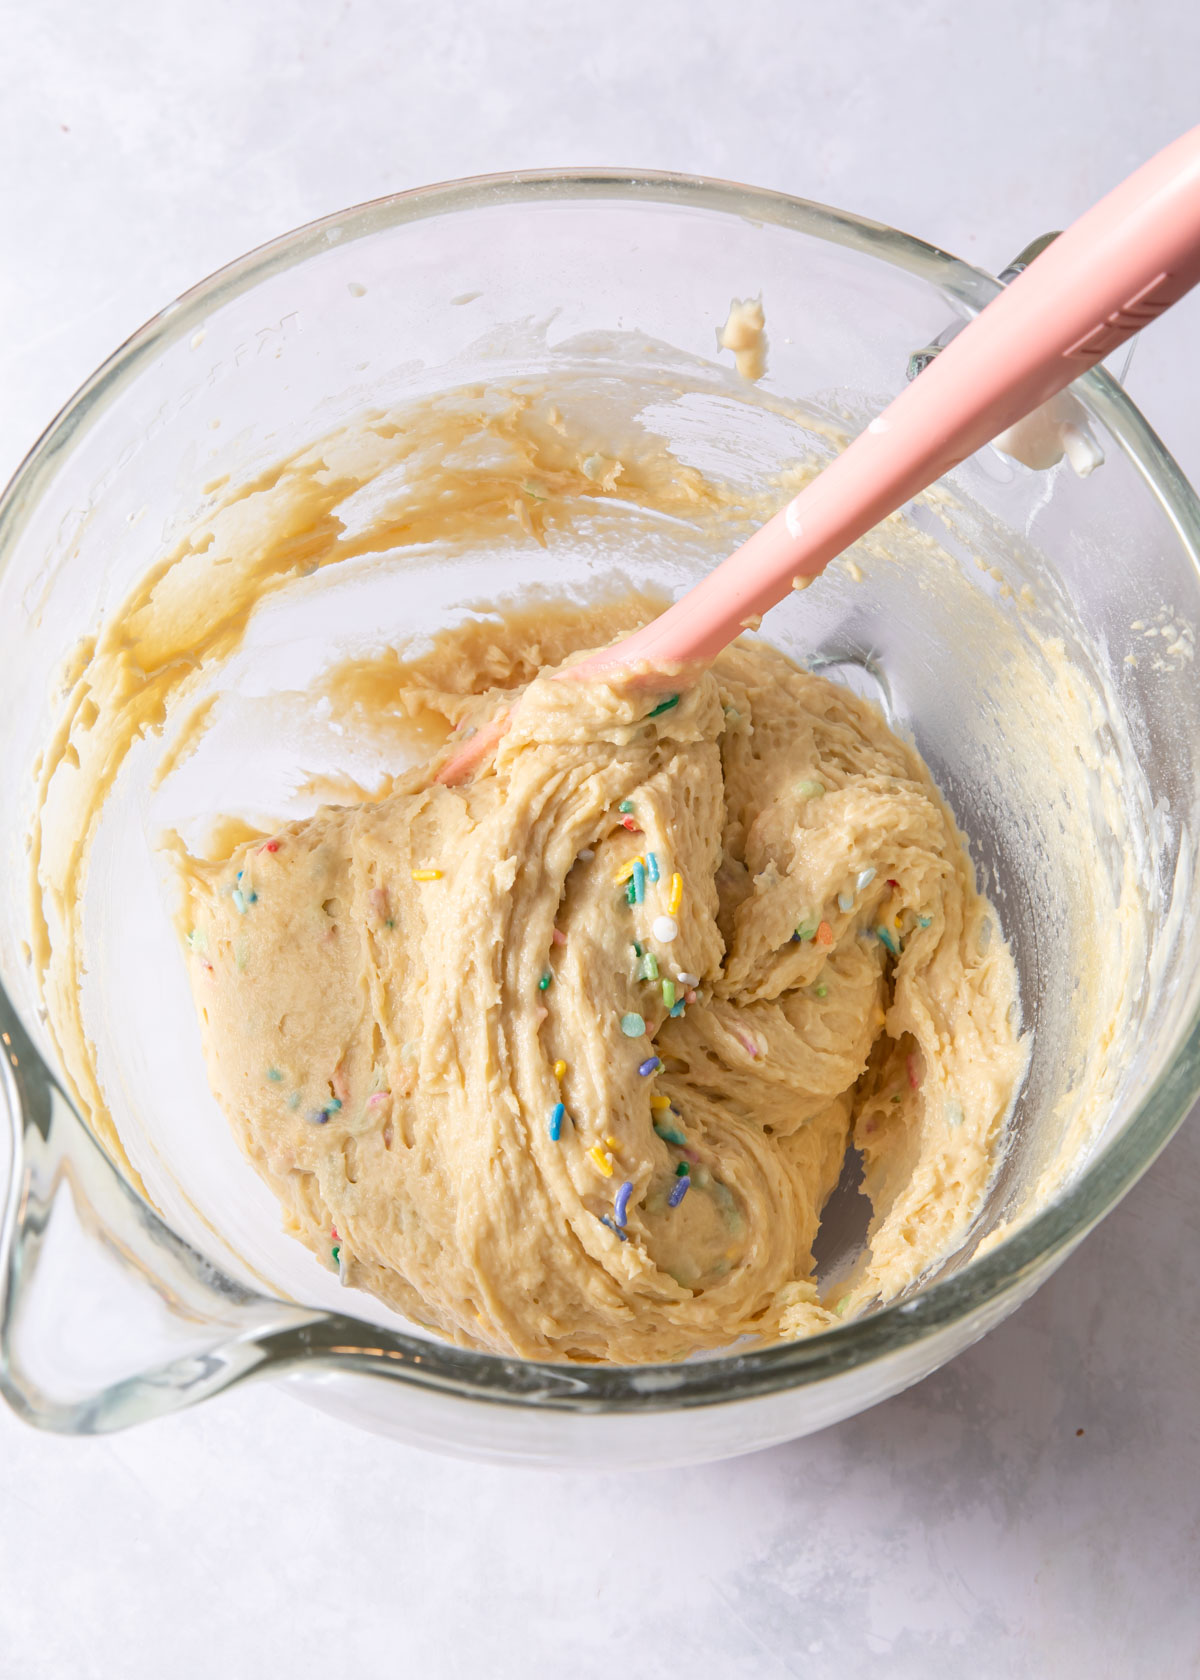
pixel 626 806
pixel 613 1144
pixel 615 1229
pixel 914 1078
pixel 652 866
pixel 621 1203
pixel 332 1106
pixel 560 1070
pixel 668 994
pixel 685 979
pixel 293 1101
pixel 822 991
pixel 318 1116
pixel 658 1103
pixel 682 1186
pixel 669 1135
pixel 886 937
pixel 334 1252
pixel 804 932
pixel 649 1066
pixel 925 921
pixel 648 966
pixel 601 1159
pixel 271 846
pixel 274 1075
pixel 586 855
pixel 544 982
pixel 676 898
pixel 629 824
pixel 639 881
pixel 632 1026
pixel 824 934
pixel 865 877
pixel 678 1009
pixel 892 883
pixel 630 892
pixel 845 902
pixel 426 874
pixel 665 928
pixel 556 1120
pixel 624 873
pixel 380 1096
pixel 637 949
pixel 239 902
pixel 810 790
pixel 681 1171
pixel 664 706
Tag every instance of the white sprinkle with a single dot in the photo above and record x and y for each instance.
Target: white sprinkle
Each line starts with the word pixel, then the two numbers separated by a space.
pixel 845 902
pixel 665 929
pixel 865 878
pixel 586 855
pixel 686 979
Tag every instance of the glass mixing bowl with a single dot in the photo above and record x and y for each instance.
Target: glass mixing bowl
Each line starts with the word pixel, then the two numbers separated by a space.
pixel 121 1304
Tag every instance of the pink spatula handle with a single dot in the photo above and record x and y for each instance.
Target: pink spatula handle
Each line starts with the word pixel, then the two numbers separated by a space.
pixel 1116 268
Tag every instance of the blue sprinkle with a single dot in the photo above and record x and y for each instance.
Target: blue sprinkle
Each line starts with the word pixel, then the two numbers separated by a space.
pixel 649 1066
pixel 332 1106
pixel 670 1135
pixel 556 1120
pixel 652 866
pixel 252 898
pixel 621 1205
pixel 925 920
pixel 615 1229
pixel 679 1008
pixel 239 903
pixel 682 1186
pixel 886 938
pixel 639 882
pixel 240 873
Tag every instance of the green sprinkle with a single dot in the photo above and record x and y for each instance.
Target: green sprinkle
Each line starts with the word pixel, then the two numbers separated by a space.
pixel 239 902
pixel 335 1251
pixel 632 1025
pixel 842 1305
pixel 669 1134
pixel 810 790
pixel 197 941
pixel 626 806
pixel 274 1075
pixel 534 494
pixel 668 992
pixel 897 1097
pixel 665 706
pixel 806 930
pixel 682 1170
pixel 637 949
pixel 648 967
pixel 630 892
pixel 925 920
pixel 822 991
pixel 332 1106
pixel 545 981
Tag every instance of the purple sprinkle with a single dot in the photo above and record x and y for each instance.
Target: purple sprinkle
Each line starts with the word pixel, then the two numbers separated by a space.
pixel 616 1229
pixel 621 1205
pixel 318 1116
pixel 682 1186
pixel 649 1066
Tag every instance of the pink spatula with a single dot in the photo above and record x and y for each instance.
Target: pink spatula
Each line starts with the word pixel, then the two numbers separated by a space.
pixel 1119 266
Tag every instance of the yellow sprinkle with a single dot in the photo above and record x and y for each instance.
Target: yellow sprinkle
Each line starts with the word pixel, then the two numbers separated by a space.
pixel 560 1069
pixel 426 874
pixel 612 1143
pixel 658 1103
pixel 625 871
pixel 676 898
pixel 601 1160
pixel 899 922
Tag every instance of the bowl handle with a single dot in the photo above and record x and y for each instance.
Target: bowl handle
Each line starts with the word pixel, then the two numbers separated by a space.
pixel 107 1318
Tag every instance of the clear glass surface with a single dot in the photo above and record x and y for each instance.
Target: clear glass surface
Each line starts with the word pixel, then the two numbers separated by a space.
pixel 116 1310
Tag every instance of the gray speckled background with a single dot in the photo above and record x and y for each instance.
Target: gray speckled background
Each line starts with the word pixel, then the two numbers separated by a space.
pixel 966 1529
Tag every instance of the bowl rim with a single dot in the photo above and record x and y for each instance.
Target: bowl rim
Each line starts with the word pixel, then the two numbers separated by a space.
pixel 336 1338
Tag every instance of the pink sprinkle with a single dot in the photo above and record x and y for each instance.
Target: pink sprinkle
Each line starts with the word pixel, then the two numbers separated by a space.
pixel 271 846
pixel 747 1044
pixel 380 1096
pixel 333 1232
pixel 559 937
pixel 892 883
pixel 688 1154
pixel 628 822
pixel 914 1078
pixel 690 996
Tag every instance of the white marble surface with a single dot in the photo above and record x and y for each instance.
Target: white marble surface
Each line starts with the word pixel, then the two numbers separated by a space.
pixel 1032 1509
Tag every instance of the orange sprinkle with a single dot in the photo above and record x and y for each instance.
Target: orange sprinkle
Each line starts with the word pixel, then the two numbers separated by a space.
pixel 676 898
pixel 824 934
pixel 426 874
